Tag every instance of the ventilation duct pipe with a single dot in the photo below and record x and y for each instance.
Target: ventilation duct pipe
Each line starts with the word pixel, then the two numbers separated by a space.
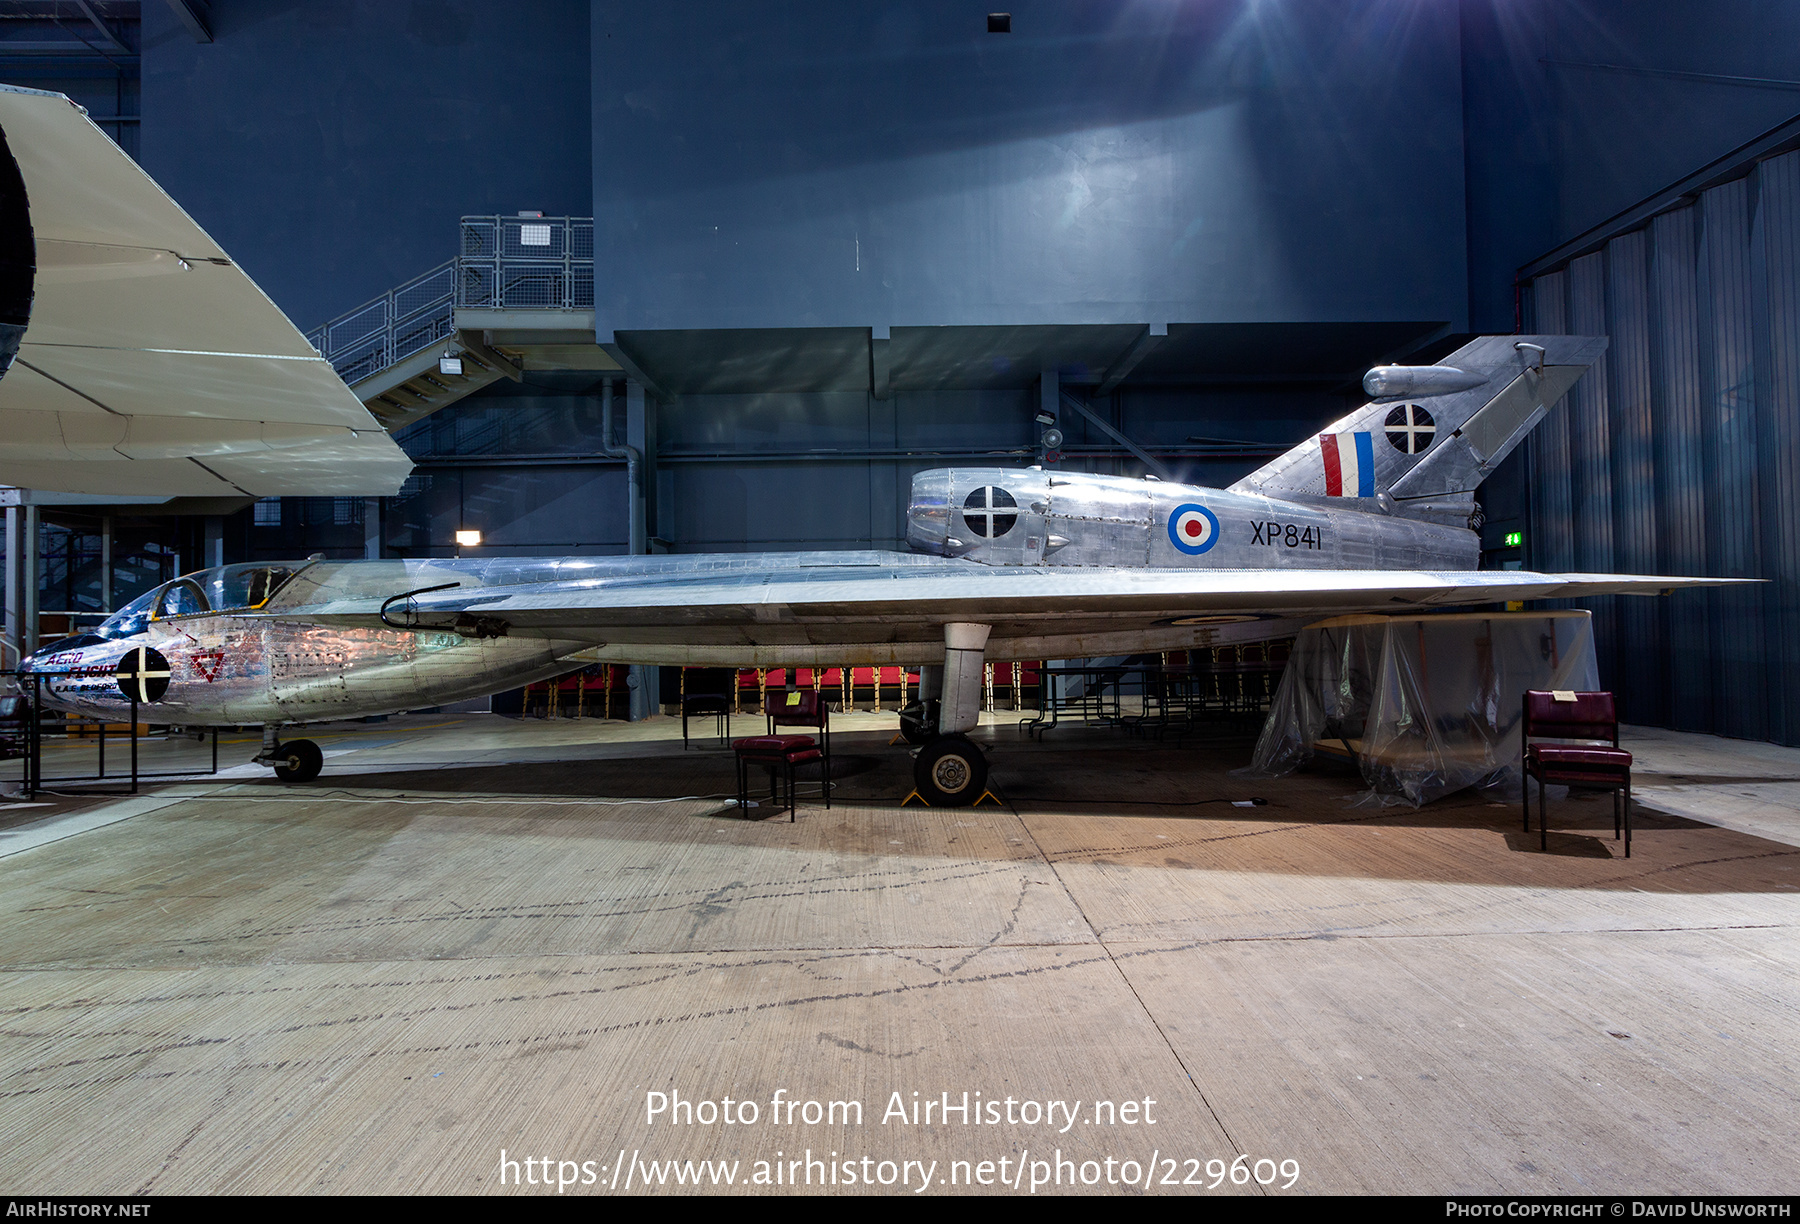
pixel 634 472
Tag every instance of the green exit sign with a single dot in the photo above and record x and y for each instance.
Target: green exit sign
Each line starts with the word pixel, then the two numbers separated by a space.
pixel 1515 539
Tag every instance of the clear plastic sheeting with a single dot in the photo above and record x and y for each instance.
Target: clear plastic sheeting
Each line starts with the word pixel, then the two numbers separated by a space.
pixel 1426 705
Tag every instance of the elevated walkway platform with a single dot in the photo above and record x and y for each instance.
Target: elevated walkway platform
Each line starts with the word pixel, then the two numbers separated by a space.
pixel 519 297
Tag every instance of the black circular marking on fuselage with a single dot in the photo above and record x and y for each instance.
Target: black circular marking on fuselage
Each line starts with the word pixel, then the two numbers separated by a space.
pixel 144 674
pixel 990 511
pixel 1411 429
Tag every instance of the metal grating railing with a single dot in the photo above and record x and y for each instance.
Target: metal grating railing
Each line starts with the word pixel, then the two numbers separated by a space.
pixel 392 327
pixel 526 263
pixel 508 263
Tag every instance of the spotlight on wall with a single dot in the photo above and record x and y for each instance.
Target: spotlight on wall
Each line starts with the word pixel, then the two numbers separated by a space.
pixel 1052 439
pixel 468 539
pixel 999 23
pixel 1046 418
pixel 450 363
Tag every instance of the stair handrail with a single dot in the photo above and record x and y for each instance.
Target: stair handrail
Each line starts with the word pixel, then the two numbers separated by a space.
pixel 508 262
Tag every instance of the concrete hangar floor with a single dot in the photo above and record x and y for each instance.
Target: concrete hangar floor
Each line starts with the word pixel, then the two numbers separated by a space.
pixel 477 945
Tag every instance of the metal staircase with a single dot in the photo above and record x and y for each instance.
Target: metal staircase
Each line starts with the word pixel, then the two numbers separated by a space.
pixel 519 296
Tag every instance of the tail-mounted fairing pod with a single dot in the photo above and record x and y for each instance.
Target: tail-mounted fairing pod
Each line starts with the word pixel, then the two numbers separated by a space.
pixel 1418 382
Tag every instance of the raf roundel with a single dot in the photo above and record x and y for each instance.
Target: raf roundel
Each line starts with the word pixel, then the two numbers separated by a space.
pixel 1193 529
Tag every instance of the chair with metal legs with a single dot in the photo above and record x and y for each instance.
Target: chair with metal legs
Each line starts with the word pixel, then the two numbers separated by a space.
pixel 1575 716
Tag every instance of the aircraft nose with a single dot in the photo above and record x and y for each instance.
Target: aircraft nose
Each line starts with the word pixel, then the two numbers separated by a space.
pixel 35 663
pixel 39 659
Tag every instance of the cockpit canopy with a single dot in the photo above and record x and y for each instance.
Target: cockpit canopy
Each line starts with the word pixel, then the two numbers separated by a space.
pixel 229 588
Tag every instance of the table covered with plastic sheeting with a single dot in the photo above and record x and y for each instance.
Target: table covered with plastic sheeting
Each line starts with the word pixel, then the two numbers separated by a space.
pixel 1426 705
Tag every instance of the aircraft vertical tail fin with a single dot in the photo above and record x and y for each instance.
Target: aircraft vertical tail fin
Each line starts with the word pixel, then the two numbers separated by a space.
pixel 1432 434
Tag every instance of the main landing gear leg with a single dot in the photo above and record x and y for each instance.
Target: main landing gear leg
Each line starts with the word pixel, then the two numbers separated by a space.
pixel 918 719
pixel 294 760
pixel 950 771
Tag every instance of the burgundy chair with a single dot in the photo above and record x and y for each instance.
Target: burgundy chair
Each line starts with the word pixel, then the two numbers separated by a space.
pixel 801 708
pixel 1588 716
pixel 782 754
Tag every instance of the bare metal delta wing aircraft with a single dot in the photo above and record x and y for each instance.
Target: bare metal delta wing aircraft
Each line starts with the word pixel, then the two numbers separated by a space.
pixel 142 362
pixel 1371 515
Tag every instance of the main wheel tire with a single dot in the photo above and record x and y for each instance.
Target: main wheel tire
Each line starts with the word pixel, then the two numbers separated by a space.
pixel 299 761
pixel 950 772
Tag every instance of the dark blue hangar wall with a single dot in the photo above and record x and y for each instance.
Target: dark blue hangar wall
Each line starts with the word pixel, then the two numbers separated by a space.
pixel 1576 111
pixel 1632 171
pixel 331 145
pixel 866 165
pixel 777 185
pixel 759 170
pixel 1680 452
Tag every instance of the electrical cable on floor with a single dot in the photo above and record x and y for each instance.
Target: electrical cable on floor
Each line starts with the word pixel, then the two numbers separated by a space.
pixel 1251 802
pixel 351 797
pixel 348 797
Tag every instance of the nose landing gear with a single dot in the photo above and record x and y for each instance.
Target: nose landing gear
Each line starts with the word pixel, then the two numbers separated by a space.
pixel 294 760
pixel 298 761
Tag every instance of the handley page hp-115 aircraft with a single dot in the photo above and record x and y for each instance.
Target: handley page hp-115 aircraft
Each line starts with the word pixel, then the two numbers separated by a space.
pixel 1371 515
pixel 142 361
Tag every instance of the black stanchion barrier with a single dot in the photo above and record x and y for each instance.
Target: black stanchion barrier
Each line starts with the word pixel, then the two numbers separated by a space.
pixel 31 686
pixel 1178 700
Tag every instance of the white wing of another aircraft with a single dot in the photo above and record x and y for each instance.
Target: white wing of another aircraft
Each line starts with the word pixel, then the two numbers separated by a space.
pixel 150 364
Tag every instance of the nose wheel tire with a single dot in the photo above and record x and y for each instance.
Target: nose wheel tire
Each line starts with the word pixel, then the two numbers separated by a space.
pixel 950 772
pixel 298 761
